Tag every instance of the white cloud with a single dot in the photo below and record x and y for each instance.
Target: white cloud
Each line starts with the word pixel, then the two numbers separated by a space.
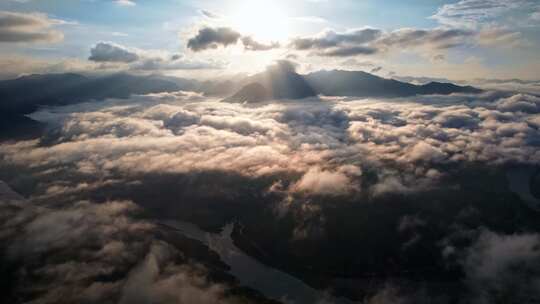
pixel 499 266
pixel 125 2
pixel 320 182
pixel 475 13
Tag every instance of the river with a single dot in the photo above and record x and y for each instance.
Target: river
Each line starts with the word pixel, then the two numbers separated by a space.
pixel 519 183
pixel 273 283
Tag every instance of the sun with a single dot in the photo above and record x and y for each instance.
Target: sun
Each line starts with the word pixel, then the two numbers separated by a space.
pixel 265 20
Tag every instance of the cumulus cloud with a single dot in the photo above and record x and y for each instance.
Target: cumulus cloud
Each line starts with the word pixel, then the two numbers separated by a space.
pixel 431 43
pixel 89 252
pixel 303 160
pixel 142 60
pixel 252 45
pixel 212 38
pixel 28 27
pixel 320 182
pixel 500 267
pixel 109 52
pixel 269 137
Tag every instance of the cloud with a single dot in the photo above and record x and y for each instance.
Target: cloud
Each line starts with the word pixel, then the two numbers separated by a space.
pixel 125 2
pixel 175 62
pixel 109 52
pixel 210 38
pixel 303 160
pixel 310 19
pixel 434 38
pixel 329 38
pixel 252 45
pixel 192 134
pixel 210 14
pixel 348 51
pixel 500 37
pixel 503 267
pixel 475 13
pixel 370 41
pixel 376 69
pixel 88 252
pixel 15 66
pixel 28 27
pixel 320 182
pixel 142 60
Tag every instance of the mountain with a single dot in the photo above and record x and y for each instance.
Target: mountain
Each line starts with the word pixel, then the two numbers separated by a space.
pixel 279 81
pixel 443 88
pixel 25 94
pixel 282 82
pixel 362 84
pixel 253 92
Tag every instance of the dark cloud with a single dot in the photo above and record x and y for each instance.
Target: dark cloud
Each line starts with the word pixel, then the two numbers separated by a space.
pixel 371 41
pixel 330 39
pixel 348 51
pixel 252 45
pixel 437 39
pixel 209 14
pixel 146 61
pixel 211 38
pixel 108 52
pixel 21 27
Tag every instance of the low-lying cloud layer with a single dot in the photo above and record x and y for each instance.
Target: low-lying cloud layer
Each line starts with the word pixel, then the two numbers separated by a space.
pixel 180 135
pixel 308 153
pixel 97 253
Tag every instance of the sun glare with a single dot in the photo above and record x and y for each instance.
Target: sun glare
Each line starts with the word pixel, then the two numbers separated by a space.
pixel 264 20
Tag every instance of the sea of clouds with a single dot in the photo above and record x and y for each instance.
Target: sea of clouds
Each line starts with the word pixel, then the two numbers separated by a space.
pixel 320 147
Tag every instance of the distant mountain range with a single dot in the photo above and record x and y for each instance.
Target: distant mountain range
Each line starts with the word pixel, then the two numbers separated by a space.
pixel 362 84
pixel 26 94
pixel 287 84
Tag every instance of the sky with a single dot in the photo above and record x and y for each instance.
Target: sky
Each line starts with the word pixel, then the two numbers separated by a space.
pixel 449 182
pixel 458 40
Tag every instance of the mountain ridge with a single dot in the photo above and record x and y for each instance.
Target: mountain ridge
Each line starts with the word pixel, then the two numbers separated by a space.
pixel 337 83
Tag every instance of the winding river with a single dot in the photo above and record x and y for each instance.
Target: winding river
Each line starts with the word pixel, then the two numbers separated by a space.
pixel 271 282
pixel 519 183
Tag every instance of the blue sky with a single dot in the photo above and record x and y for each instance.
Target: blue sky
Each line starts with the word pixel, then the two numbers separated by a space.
pixel 453 39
